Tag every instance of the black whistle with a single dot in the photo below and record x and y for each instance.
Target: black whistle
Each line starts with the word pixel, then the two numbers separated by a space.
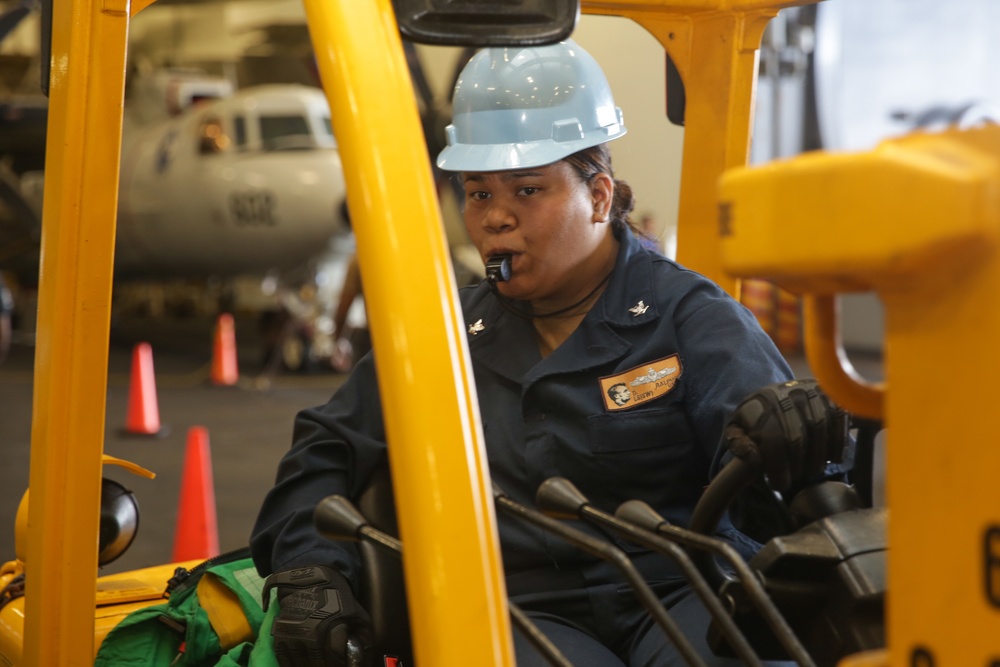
pixel 498 269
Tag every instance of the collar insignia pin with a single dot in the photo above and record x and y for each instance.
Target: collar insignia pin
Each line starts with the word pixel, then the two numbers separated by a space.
pixel 638 309
pixel 477 327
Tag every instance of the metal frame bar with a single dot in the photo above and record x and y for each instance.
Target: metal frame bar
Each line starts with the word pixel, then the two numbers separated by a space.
pixel 87 90
pixel 419 340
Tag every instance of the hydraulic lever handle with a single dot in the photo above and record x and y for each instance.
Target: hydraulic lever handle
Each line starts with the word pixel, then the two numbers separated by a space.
pixel 337 518
pixel 616 557
pixel 558 497
pixel 642 515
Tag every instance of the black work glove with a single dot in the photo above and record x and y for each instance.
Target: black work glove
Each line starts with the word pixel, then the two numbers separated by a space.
pixel 791 430
pixel 320 623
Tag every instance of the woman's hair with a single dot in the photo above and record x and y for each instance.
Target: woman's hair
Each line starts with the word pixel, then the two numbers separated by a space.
pixel 596 160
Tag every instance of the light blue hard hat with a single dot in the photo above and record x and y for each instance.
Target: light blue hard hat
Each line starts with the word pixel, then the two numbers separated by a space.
pixel 527 107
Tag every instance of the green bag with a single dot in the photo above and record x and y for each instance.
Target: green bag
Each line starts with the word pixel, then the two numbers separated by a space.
pixel 213 617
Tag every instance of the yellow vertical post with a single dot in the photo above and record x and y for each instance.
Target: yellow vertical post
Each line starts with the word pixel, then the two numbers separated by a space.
pixel 443 494
pixel 714 44
pixel 719 70
pixel 78 235
pixel 941 486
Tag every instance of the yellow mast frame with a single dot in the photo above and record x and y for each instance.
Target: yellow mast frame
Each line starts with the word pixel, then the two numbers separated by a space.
pixel 436 436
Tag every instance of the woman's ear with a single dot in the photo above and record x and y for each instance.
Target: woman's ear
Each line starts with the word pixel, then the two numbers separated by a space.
pixel 602 192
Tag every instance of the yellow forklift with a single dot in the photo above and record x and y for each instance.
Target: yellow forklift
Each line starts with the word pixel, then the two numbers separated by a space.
pixel 916 220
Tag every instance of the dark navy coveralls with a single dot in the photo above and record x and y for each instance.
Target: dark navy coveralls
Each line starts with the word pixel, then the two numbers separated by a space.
pixel 686 353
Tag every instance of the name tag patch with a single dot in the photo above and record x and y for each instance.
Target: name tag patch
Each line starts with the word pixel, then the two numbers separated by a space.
pixel 640 384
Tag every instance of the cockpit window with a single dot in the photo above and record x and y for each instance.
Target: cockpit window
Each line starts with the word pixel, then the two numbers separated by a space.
pixel 278 132
pixel 327 126
pixel 239 130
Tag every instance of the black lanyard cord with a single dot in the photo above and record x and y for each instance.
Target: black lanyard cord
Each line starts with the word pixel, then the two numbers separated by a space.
pixel 508 304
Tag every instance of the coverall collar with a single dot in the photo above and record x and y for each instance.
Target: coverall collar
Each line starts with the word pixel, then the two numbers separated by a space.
pixel 506 344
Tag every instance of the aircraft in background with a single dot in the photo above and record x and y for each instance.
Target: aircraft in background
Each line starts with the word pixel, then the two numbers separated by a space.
pixel 214 181
pixel 215 184
pixel 238 183
pixel 241 191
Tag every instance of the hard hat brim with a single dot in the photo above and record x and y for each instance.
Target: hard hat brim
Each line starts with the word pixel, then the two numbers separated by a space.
pixel 502 157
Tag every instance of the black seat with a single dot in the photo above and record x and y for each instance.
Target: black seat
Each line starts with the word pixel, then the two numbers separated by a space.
pixel 383 590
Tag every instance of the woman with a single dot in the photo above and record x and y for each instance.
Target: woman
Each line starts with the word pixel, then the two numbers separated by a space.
pixel 584 310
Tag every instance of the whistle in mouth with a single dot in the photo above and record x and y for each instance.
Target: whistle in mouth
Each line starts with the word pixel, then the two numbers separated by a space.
pixel 498 269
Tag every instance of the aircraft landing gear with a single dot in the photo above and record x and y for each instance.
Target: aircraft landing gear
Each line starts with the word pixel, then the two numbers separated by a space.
pixel 6 311
pixel 286 344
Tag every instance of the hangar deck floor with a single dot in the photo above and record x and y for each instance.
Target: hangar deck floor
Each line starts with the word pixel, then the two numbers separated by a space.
pixel 249 428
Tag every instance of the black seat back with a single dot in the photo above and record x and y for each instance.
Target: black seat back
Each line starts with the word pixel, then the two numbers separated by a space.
pixel 383 591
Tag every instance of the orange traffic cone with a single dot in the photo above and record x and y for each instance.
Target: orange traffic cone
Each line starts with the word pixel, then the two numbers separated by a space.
pixel 143 416
pixel 197 534
pixel 225 371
